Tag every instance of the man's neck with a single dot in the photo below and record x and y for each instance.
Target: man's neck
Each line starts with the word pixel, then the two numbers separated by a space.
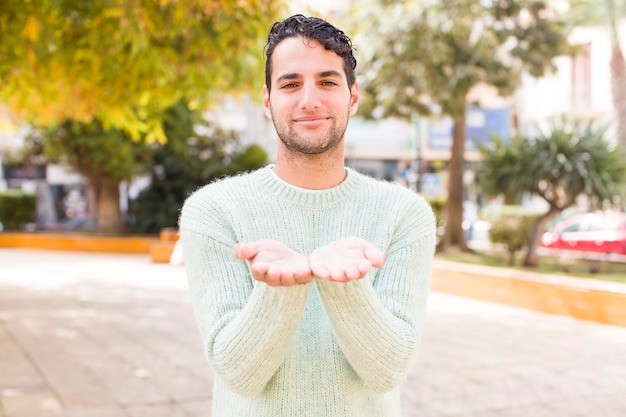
pixel 313 172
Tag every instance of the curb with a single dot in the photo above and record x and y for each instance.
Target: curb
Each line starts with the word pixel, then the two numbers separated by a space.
pixel 158 247
pixel 580 298
pixel 76 242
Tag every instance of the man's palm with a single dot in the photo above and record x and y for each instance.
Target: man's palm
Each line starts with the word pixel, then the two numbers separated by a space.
pixel 345 260
pixel 274 263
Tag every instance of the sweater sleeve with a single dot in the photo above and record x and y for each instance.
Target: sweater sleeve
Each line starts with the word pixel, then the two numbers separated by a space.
pixel 246 326
pixel 378 319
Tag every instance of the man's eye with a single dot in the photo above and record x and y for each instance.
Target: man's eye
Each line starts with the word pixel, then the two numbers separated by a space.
pixel 288 86
pixel 329 83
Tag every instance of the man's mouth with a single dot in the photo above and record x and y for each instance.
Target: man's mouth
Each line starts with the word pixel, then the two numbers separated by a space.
pixel 311 121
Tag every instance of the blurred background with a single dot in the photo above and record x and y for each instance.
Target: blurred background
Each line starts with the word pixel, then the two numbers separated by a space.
pixel 508 116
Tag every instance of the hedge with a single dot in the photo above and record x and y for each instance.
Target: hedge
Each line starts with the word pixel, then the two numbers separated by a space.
pixel 17 209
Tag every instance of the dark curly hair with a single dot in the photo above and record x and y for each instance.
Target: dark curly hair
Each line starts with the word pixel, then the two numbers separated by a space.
pixel 314 28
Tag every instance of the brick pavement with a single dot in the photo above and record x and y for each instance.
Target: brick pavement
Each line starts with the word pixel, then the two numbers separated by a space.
pixel 97 335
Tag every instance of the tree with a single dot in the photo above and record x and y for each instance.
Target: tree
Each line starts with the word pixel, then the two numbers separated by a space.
pixel 99 74
pixel 195 154
pixel 495 174
pixel 433 53
pixel 104 156
pixel 123 63
pixel 558 163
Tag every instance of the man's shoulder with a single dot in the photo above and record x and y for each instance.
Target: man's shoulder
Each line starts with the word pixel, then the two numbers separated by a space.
pixel 223 191
pixel 228 184
pixel 213 202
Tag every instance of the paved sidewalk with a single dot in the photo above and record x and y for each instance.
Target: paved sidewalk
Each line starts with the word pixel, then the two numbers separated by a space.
pixel 98 335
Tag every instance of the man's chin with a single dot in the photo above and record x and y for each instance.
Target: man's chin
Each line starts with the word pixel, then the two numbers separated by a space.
pixel 313 147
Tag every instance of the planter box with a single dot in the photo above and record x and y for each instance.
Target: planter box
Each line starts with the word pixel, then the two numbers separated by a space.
pixel 77 242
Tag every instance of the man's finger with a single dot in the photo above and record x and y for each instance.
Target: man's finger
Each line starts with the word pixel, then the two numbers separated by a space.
pixel 320 272
pixel 245 250
pixel 375 256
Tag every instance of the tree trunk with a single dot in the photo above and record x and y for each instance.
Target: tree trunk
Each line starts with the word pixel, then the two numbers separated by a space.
pixel 532 257
pixel 453 235
pixel 108 203
pixel 512 257
pixel 92 201
pixel 618 90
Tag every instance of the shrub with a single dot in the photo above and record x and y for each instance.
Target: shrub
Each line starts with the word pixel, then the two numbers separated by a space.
pixel 17 209
pixel 511 228
pixel 438 204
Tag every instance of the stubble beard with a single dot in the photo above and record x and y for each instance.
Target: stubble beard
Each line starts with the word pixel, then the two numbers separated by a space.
pixel 321 144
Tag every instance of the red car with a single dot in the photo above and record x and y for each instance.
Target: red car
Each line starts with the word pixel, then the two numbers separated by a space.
pixel 588 232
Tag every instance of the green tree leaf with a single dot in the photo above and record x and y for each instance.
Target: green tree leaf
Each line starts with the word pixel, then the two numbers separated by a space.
pixel 436 52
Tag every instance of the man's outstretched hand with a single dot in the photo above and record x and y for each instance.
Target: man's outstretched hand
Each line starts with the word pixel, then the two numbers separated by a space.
pixel 345 260
pixel 274 263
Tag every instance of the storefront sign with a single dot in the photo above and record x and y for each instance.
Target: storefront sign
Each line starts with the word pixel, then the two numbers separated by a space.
pixel 481 124
pixel 24 172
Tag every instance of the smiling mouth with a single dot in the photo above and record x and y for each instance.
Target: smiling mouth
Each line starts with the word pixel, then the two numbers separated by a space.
pixel 311 120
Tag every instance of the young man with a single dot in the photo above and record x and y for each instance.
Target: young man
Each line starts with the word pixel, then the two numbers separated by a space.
pixel 308 280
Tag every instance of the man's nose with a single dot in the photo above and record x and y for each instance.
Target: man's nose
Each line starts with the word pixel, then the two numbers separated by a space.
pixel 310 98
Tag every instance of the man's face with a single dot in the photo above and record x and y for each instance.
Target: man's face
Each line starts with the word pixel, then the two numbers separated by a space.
pixel 310 100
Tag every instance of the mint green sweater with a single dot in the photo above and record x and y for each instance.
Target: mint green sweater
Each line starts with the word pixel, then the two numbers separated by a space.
pixel 322 349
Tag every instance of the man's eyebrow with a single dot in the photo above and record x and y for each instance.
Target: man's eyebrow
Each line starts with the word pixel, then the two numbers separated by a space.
pixel 331 73
pixel 288 76
pixel 294 75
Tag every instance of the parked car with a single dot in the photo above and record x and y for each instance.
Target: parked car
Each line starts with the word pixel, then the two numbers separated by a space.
pixel 603 232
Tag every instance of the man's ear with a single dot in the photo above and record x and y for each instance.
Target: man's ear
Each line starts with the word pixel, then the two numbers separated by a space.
pixel 266 102
pixel 354 98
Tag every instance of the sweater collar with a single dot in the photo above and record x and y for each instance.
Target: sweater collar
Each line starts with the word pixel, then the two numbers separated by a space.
pixel 290 194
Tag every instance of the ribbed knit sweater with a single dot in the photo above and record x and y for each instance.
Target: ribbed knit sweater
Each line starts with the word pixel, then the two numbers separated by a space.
pixel 321 349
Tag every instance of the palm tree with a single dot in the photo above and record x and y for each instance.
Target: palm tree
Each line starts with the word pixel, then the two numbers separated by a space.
pixel 558 163
pixel 499 172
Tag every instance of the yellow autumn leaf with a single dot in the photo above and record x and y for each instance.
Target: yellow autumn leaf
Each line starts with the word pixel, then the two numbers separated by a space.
pixel 155 133
pixel 32 28
pixel 114 12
